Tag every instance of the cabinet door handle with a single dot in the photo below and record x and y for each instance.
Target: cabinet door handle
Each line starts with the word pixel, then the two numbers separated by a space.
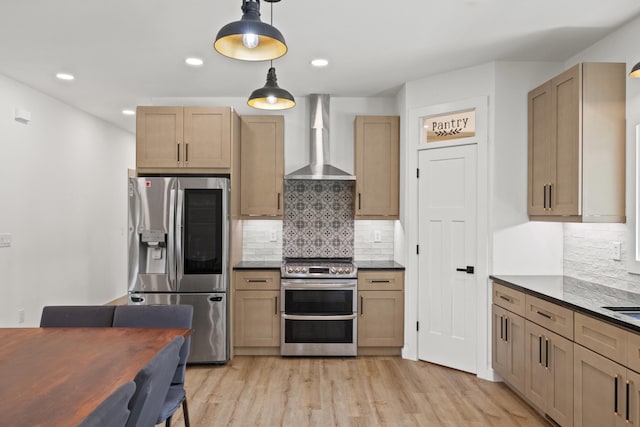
pixel 257 280
pixel 502 328
pixel 627 403
pixel 550 196
pixel 186 151
pixel 361 306
pixel 615 395
pixel 546 352
pixel 506 328
pixel 276 313
pixel 278 201
pixel 540 349
pixel 545 197
pixel 178 152
pixel 359 201
pixel 379 281
pixel 507 299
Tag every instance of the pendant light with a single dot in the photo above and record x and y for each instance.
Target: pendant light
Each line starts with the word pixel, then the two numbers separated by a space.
pixel 635 71
pixel 271 96
pixel 251 39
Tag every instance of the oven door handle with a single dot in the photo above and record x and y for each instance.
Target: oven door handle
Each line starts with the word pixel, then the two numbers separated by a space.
pixel 295 317
pixel 307 286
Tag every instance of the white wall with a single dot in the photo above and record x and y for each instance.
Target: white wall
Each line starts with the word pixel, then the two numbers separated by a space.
pixel 63 200
pixel 519 246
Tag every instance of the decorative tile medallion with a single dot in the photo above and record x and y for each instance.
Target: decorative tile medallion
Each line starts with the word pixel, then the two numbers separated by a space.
pixel 318 219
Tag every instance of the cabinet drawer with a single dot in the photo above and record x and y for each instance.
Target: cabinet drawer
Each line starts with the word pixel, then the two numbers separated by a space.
pixel 508 298
pixel 257 280
pixel 601 337
pixel 549 315
pixel 386 280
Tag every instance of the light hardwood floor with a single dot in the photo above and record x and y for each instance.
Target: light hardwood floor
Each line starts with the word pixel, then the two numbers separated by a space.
pixel 363 391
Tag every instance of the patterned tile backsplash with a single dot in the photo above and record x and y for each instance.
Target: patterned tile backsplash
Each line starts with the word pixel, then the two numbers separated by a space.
pixel 318 219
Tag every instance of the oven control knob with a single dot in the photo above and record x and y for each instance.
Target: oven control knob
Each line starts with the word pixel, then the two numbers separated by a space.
pixel 303 269
pixel 340 270
pixel 289 269
pixel 333 270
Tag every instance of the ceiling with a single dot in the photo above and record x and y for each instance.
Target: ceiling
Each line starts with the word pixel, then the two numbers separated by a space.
pixel 125 53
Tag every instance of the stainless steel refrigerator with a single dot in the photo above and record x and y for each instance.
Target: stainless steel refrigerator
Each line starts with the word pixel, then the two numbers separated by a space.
pixel 179 254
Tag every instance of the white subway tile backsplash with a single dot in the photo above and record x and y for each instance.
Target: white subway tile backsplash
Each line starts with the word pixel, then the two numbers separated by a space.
pixel 588 255
pixel 257 247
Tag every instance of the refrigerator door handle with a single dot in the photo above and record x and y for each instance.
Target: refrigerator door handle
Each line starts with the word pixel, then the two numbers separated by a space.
pixel 171 263
pixel 215 299
pixel 179 258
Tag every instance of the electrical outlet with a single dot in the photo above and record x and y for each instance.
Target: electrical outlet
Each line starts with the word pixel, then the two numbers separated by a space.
pixel 21 315
pixel 617 251
pixel 377 236
pixel 273 236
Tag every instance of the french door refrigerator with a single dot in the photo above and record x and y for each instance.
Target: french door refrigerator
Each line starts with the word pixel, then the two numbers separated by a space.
pixel 178 254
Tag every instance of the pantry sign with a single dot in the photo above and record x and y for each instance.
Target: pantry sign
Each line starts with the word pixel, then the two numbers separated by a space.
pixel 461 124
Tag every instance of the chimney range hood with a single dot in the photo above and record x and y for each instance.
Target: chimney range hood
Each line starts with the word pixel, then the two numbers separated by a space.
pixel 319 167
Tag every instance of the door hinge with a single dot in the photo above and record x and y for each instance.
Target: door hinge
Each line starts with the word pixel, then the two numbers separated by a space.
pixel 417 326
pixel 418 173
pixel 417 249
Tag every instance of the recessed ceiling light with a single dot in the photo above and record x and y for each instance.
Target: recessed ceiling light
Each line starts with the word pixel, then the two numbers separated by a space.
pixel 320 62
pixel 65 76
pixel 128 112
pixel 194 62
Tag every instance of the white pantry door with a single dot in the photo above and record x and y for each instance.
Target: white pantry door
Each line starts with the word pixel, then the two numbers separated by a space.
pixel 447 241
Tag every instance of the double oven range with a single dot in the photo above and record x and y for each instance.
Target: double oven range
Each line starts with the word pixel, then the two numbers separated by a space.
pixel 319 307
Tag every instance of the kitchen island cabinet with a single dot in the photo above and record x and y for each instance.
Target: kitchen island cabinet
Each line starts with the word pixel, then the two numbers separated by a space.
pixel 256 312
pixel 577 139
pixel 262 167
pixel 185 139
pixel 380 312
pixel 377 167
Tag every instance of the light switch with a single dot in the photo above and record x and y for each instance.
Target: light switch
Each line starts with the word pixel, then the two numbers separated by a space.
pixel 273 236
pixel 377 236
pixel 5 240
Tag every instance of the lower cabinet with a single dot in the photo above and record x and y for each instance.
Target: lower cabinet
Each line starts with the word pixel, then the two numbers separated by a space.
pixel 380 311
pixel 256 310
pixel 549 373
pixel 606 393
pixel 381 319
pixel 508 346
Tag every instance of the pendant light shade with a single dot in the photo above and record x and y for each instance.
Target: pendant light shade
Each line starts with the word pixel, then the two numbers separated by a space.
pixel 271 96
pixel 635 71
pixel 250 39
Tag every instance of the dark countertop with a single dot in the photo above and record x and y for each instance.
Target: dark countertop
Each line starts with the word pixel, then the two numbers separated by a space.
pixel 258 265
pixel 579 295
pixel 378 265
pixel 275 265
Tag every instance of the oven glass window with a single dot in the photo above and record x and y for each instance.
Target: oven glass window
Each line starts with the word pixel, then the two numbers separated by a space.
pixel 318 331
pixel 318 302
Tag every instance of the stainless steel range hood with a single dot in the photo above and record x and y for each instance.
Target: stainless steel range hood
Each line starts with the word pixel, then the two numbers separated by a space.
pixel 319 168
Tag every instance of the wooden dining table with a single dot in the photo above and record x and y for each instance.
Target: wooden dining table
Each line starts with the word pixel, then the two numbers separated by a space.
pixel 57 376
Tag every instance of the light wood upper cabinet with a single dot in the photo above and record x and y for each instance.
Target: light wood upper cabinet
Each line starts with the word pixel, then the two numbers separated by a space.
pixel 377 167
pixel 262 167
pixel 184 139
pixel 576 139
pixel 380 309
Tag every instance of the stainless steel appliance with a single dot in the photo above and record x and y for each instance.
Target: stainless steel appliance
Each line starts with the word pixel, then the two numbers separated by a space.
pixel 178 254
pixel 319 307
